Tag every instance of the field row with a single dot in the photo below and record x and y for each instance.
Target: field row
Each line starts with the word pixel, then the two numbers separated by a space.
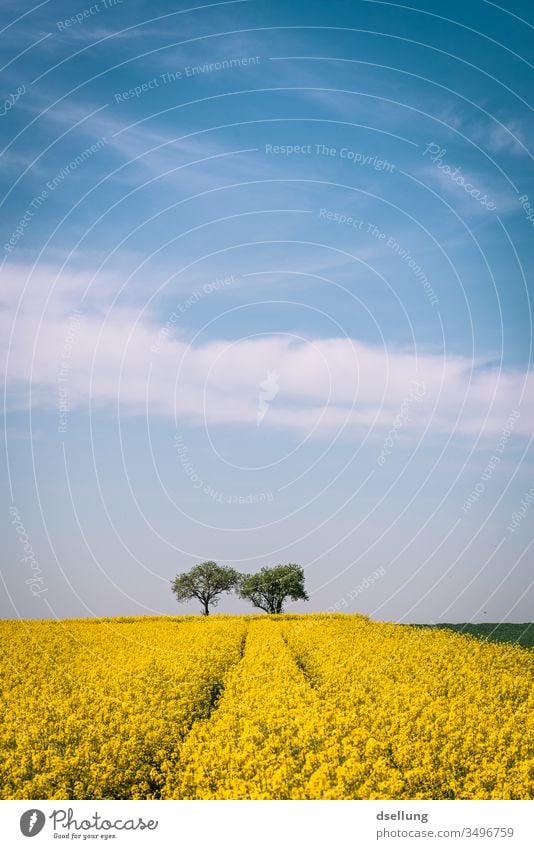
pixel 300 707
pixel 99 710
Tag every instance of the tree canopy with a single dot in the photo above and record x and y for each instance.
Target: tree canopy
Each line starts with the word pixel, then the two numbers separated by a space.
pixel 205 581
pixel 269 588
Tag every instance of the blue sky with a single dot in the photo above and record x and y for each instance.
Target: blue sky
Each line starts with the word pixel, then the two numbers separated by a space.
pixel 265 297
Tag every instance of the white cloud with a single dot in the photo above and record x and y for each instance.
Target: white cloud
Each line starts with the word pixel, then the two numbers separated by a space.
pixel 510 137
pixel 122 361
pixel 470 194
pixel 191 160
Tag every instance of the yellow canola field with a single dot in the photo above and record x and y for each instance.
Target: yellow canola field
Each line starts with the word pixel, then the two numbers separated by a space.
pixel 280 707
pixel 98 709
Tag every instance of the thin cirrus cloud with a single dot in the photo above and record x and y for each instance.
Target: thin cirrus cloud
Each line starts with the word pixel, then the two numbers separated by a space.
pixel 469 194
pixel 510 137
pixel 190 159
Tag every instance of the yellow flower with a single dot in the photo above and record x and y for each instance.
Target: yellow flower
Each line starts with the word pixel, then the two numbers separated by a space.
pixel 293 707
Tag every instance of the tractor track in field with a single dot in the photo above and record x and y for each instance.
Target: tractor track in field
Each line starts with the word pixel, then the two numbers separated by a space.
pixel 217 687
pixel 311 680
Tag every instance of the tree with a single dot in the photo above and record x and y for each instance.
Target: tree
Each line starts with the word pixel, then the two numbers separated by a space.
pixel 268 589
pixel 206 581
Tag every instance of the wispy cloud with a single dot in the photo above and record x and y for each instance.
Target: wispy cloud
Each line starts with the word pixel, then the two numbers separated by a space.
pixel 510 138
pixel 139 146
pixel 468 195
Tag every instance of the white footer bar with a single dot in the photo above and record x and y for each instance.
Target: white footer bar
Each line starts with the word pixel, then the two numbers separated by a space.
pixel 268 825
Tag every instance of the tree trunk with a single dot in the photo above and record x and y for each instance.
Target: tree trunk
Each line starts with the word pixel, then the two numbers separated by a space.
pixel 206 611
